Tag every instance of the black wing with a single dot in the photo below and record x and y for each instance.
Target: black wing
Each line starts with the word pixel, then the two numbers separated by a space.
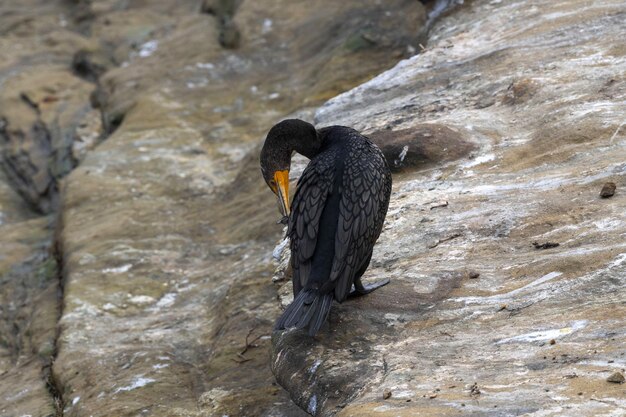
pixel 365 192
pixel 313 189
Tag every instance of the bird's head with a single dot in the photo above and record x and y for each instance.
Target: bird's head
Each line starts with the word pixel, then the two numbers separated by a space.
pixel 284 138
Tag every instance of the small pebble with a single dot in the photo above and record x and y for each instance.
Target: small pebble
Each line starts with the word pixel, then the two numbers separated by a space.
pixel 616 378
pixel 386 394
pixel 474 274
pixel 608 190
pixel 552 342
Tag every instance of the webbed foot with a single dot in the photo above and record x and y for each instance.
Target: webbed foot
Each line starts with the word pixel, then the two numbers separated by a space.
pixel 360 289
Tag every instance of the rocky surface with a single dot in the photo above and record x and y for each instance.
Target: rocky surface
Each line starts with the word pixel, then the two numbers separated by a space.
pixel 165 228
pixel 138 126
pixel 46 119
pixel 28 308
pixel 540 91
pixel 43 109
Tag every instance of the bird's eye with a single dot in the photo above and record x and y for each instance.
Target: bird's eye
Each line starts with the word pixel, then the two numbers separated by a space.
pixel 273 185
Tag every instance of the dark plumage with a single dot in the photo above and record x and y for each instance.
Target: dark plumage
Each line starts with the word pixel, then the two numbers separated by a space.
pixel 337 213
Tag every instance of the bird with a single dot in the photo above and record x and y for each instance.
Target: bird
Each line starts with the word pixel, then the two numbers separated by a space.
pixel 337 214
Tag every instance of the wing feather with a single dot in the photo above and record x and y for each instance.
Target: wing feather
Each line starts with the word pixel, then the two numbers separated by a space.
pixel 308 203
pixel 364 191
pixel 364 201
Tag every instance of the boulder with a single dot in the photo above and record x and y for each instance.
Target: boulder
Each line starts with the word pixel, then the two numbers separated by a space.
pixel 538 93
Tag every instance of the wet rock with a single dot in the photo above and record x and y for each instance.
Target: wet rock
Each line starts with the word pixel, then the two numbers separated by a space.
pixel 608 190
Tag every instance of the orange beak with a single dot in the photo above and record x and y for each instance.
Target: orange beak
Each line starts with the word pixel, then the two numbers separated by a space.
pixel 282 190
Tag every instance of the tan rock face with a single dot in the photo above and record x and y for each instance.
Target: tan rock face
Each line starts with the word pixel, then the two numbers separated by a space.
pixel 539 90
pixel 41 111
pixel 43 106
pixel 28 308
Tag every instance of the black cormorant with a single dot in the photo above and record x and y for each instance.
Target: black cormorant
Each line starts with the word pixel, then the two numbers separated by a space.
pixel 337 213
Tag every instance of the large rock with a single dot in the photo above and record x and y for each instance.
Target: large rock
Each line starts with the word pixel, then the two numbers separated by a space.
pixel 168 226
pixel 477 320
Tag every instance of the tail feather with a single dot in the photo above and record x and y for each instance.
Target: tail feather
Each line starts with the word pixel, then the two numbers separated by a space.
pixel 323 311
pixel 291 313
pixel 309 309
pixel 305 314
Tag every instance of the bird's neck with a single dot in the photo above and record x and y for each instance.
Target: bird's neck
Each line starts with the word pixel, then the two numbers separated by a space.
pixel 308 148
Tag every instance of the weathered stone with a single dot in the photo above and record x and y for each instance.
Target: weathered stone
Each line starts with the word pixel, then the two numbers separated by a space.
pixel 616 377
pixel 543 152
pixel 608 190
